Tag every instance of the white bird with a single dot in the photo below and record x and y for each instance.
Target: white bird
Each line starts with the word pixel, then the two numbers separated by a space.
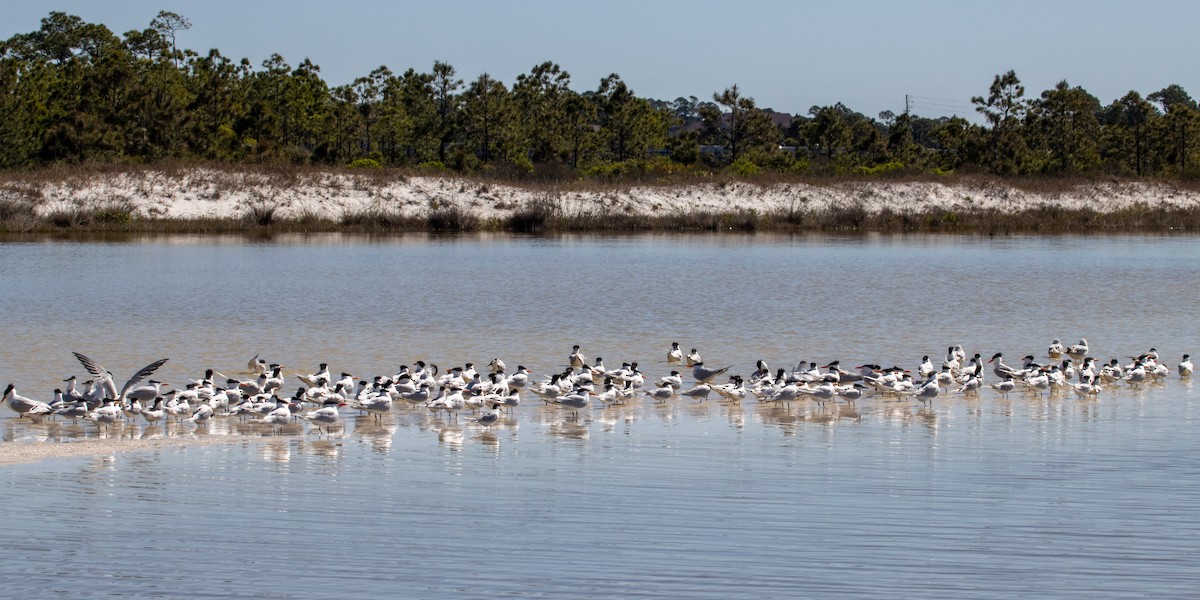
pixel 945 376
pixel 1136 375
pixel 23 406
pixel 512 399
pixel 203 413
pixel 851 392
pixel 1056 349
pixel 155 413
pixel 699 392
pixel 314 379
pixel 178 408
pixel 326 416
pixel 821 393
pixel 520 379
pixel 692 358
pixel 674 355
pixel 903 386
pixel 576 359
pixel 106 414
pixel 761 372
pixel 1002 370
pixel 132 409
pixel 74 412
pixel 280 416
pixel 1088 388
pixel 548 391
pixel 673 381
pixel 376 406
pixel 575 401
pixel 951 359
pixel 257 366
pixel 71 394
pixel 422 395
pixel 1079 350
pixel 1185 366
pixel 1006 386
pixel 734 391
pixel 496 366
pixel 661 394
pixel 1038 383
pixel 1112 371
pixel 454 401
pixel 703 374
pixel 928 391
pixel 926 368
pixel 489 417
pixel 145 393
pixel 611 395
pixel 1159 372
pixel 971 385
pixel 106 379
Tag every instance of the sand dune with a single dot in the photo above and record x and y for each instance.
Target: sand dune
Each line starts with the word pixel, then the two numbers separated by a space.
pixel 206 193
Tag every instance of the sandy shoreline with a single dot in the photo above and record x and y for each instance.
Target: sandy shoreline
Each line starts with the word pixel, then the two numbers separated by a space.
pixel 201 193
pixel 21 452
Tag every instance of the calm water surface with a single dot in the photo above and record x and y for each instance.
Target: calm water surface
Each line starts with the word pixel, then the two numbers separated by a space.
pixel 1029 497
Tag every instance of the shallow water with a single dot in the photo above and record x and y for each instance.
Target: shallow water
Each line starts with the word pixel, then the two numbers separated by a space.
pixel 1025 496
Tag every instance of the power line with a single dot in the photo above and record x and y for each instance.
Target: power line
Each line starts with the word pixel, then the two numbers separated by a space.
pixel 941 100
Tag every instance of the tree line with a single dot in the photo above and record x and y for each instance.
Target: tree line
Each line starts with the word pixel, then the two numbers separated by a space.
pixel 74 92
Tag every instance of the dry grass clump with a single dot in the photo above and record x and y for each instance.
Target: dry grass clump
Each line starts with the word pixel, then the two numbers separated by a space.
pixel 451 218
pixel 17 215
pixel 380 220
pixel 538 215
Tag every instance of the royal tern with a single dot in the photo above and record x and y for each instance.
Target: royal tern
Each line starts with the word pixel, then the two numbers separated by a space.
pixel 106 379
pixel 23 406
pixel 576 359
pixel 326 416
pixel 674 355
pixel 703 374
pixel 928 391
pixel 698 392
pixel 660 394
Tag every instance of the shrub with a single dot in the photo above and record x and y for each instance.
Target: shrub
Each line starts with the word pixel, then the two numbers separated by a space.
pixel 893 167
pixel 365 163
pixel 744 167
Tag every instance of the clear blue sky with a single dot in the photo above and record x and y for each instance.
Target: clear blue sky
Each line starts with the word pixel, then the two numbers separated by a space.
pixel 787 55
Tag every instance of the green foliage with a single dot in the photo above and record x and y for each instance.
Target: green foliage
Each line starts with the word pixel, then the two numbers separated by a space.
pixel 365 163
pixel 74 92
pixel 894 167
pixel 736 123
pixel 744 167
pixel 607 170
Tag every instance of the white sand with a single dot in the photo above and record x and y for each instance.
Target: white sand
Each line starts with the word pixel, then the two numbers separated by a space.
pixel 200 193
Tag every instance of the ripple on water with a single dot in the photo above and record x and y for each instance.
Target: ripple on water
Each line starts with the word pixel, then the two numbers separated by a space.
pixel 968 498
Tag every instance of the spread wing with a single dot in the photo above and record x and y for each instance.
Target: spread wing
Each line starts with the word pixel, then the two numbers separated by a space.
pixel 142 374
pixel 92 366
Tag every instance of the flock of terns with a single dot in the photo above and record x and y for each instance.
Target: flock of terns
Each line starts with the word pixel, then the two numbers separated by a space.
pixel 261 397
